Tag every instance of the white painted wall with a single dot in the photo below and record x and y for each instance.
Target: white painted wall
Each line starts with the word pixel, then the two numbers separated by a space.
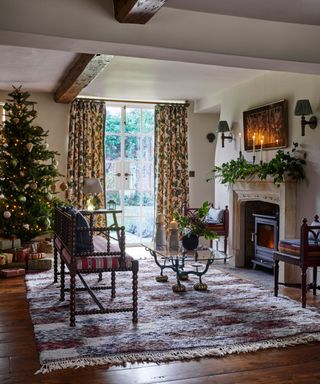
pixel 54 118
pixel 201 156
pixel 264 89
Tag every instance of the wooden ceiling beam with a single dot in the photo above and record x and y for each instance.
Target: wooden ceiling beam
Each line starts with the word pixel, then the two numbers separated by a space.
pixel 136 11
pixel 82 72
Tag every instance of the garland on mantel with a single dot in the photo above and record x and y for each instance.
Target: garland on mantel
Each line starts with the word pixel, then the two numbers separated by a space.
pixel 283 164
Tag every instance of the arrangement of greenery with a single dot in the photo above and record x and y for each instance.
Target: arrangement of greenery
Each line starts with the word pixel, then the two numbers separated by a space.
pixel 284 163
pixel 28 171
pixel 193 223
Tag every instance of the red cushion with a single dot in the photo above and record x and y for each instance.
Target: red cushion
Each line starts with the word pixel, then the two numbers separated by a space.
pixel 96 262
pixel 292 247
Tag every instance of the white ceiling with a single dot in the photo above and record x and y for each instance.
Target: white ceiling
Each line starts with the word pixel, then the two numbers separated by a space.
pixel 290 11
pixel 146 79
pixel 185 45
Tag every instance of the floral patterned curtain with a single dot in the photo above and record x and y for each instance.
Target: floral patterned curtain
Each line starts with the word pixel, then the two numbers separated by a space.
pixel 171 159
pixel 85 148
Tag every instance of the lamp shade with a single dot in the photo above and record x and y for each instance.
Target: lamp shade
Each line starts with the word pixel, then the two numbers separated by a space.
pixel 223 126
pixel 303 107
pixel 92 185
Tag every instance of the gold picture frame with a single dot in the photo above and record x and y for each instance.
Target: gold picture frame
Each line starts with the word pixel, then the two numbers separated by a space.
pixel 269 124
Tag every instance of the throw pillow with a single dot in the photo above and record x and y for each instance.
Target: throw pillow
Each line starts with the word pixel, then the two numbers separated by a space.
pixel 215 216
pixel 83 240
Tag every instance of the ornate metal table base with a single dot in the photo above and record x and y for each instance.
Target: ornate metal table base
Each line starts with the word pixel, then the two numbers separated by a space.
pixel 176 262
pixel 179 288
pixel 200 287
pixel 162 278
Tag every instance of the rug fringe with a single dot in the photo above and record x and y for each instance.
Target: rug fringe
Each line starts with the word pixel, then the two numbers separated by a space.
pixel 185 354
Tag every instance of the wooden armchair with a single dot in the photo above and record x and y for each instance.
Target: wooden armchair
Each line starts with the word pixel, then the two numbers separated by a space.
pixel 303 252
pixel 220 225
pixel 83 254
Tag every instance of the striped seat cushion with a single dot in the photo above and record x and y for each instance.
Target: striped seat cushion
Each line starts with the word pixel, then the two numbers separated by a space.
pixel 292 247
pixel 104 262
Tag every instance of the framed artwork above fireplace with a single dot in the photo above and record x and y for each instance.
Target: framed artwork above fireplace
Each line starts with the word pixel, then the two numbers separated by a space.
pixel 267 126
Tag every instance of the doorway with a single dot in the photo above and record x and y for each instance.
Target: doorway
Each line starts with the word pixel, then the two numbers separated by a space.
pixel 129 168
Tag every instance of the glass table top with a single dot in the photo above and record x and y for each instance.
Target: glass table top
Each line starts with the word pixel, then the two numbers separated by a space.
pixel 200 253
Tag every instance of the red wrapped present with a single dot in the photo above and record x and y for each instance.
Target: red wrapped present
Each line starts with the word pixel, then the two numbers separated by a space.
pixel 21 254
pixel 36 255
pixel 12 272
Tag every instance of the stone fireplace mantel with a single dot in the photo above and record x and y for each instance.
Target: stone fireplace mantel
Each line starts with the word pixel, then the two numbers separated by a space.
pixel 285 196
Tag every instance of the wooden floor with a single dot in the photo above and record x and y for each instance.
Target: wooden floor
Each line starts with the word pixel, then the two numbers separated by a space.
pixel 19 357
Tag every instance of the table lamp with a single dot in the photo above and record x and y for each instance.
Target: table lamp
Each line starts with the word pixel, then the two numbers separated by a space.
pixel 91 187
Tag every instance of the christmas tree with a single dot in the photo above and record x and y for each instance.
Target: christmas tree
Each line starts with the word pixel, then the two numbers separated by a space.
pixel 28 171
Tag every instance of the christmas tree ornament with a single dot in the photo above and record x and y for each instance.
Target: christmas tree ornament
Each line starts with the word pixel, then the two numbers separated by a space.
pixel 47 222
pixel 49 196
pixel 53 188
pixel 46 145
pixel 16 120
pixel 6 214
pixel 26 186
pixel 14 162
pixel 21 173
pixel 26 226
pixel 29 146
pixel 22 198
pixel 33 185
pixel 63 186
pixel 2 196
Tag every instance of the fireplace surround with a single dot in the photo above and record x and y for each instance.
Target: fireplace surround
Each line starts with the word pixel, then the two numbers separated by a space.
pixel 285 196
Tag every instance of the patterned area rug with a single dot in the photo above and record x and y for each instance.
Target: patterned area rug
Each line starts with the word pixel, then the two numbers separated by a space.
pixel 233 316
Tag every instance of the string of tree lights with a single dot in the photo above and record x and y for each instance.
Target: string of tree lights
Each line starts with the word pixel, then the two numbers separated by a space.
pixel 28 171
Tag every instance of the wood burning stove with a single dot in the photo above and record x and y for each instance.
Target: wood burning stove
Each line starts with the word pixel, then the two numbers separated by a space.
pixel 265 236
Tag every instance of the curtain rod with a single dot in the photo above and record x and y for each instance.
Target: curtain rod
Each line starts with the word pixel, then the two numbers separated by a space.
pixel 186 103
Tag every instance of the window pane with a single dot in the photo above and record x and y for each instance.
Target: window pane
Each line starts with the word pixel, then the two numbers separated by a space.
pixel 132 120
pixel 147 200
pixel 147 148
pixel 113 120
pixel 146 177
pixel 113 147
pixel 113 195
pixel 132 226
pixel 132 199
pixel 113 175
pixel 147 224
pixel 147 120
pixel 131 147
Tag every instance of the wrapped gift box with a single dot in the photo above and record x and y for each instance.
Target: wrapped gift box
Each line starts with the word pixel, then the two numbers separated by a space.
pixel 6 258
pixel 19 254
pixel 6 243
pixel 40 264
pixel 12 272
pixel 13 265
pixel 45 246
pixel 36 255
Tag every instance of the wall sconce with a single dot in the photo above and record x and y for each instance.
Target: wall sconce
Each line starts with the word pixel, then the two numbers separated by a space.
pixel 223 127
pixel 303 108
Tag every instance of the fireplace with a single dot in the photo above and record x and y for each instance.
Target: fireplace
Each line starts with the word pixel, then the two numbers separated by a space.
pixel 266 237
pixel 284 196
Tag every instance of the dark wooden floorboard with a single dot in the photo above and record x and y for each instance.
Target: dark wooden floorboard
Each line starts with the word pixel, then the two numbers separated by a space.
pixel 19 357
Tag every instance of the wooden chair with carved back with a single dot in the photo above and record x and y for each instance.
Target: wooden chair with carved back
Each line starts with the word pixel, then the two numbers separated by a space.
pixel 304 253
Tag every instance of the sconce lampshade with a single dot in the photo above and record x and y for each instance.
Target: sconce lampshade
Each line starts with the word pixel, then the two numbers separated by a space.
pixel 92 185
pixel 223 126
pixel 303 108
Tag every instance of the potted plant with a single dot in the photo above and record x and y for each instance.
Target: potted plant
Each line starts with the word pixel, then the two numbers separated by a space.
pixel 193 225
